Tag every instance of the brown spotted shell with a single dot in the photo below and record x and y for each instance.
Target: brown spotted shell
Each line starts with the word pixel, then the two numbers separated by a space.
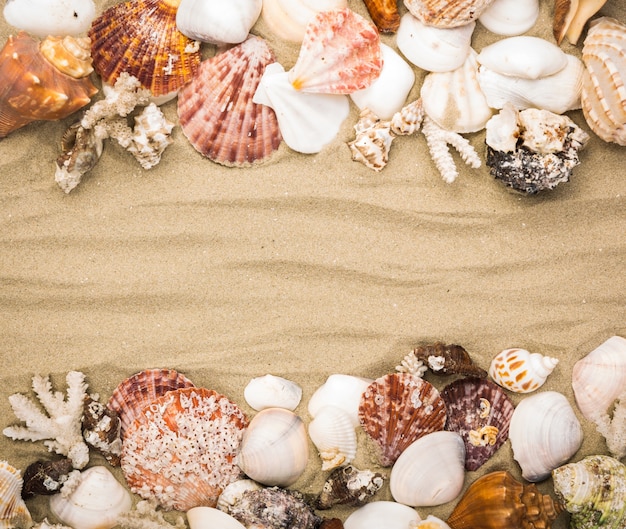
pixel 384 14
pixel 447 13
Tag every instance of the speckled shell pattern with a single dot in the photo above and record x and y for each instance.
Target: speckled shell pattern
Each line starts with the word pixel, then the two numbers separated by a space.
pixel 216 110
pixel 447 13
pixel 13 510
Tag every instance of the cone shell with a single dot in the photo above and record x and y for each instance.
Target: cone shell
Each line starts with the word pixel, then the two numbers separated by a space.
pixel 481 413
pixel 398 409
pixel 216 110
pixel 140 37
pixel 447 13
pixel 521 371
pixel 181 451
pixel 13 510
pixel 384 14
pixel 334 436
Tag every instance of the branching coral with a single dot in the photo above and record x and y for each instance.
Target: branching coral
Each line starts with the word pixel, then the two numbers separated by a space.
pixel 411 364
pixel 146 516
pixel 614 429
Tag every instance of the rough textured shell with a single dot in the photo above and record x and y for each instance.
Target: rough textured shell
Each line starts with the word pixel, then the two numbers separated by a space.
pixel 387 514
pixel 203 517
pixel 447 13
pixel 340 390
pixel 349 486
pixel 140 37
pixel 398 409
pixel 521 371
pixel 13 510
pixel 334 436
pixel 481 413
pixel 216 110
pixel 45 17
pixel 384 14
pixel 510 17
pixel 340 54
pixel 603 94
pixel 181 451
pixel 270 391
pixel 45 477
pixel 448 359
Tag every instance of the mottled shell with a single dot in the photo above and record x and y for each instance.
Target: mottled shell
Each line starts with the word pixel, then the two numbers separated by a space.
pixel 448 359
pixel 46 477
pixel 447 13
pixel 398 409
pixel 349 486
pixel 13 510
pixel 603 93
pixel 181 452
pixel 334 436
pixel 216 110
pixel 384 14
pixel 140 37
pixel 521 371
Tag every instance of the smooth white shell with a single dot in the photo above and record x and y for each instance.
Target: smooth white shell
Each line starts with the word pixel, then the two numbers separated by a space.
pixel 377 514
pixel 521 371
pixel 340 390
pixel 42 18
pixel 430 472
pixel 95 503
pixel 270 391
pixel 510 17
pixel 334 436
pixel 209 518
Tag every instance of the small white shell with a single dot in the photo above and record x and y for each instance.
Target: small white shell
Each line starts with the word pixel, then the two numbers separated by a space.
pixel 13 510
pixel 95 503
pixel 42 18
pixel 334 436
pixel 208 517
pixel 387 514
pixel 270 391
pixel 520 371
pixel 340 390
pixel 510 17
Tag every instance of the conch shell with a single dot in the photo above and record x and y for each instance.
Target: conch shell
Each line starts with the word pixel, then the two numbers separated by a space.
pixel 520 371
pixel 570 17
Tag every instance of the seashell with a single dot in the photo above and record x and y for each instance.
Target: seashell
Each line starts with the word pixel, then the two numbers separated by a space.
pixel 95 503
pixel 334 436
pixel 431 48
pixel 496 500
pixel 544 434
pixel 13 510
pixel 520 371
pixel 134 394
pixel 69 55
pixel 448 359
pixel 384 14
pixel 234 491
pixel 510 17
pixel 44 478
pixel 387 514
pixel 340 53
pixel 343 391
pixel 180 452
pixel 570 17
pixel 151 135
pixel 398 409
pixel 372 142
pixel 140 37
pixel 307 121
pixel 349 486
pixel 481 413
pixel 447 13
pixel 202 517
pixel 593 490
pixel 271 391
pixel 454 100
pixel 42 18
pixel 430 471
pixel 404 123
pixel 34 87
pixel 102 430
pixel 218 114
pixel 603 96
pixel 275 448
pixel 431 522
pixel 217 22
pixel 600 377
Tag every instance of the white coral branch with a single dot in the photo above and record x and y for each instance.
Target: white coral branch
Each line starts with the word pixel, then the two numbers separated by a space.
pixel 411 364
pixel 614 429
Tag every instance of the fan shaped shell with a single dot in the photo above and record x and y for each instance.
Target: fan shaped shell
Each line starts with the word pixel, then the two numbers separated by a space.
pixel 447 13
pixel 334 436
pixel 13 510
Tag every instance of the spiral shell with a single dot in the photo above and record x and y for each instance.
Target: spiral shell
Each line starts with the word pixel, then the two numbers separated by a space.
pixel 520 371
pixel 13 510
pixel 348 485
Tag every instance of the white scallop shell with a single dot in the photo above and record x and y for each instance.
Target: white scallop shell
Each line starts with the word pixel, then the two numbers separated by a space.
pixel 431 48
pixel 510 17
pixel 600 377
pixel 208 517
pixel 334 436
pixel 387 514
pixel 13 510
pixel 95 503
pixel 544 434
pixel 340 390
pixel 42 18
pixel 430 472
pixel 521 371
pixel 270 391
pixel 275 448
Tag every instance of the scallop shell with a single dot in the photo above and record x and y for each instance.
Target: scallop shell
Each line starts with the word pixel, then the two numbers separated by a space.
pixel 343 391
pixel 45 17
pixel 13 510
pixel 570 17
pixel 481 413
pixel 398 409
pixel 447 13
pixel 510 17
pixel 387 514
pixel 384 14
pixel 140 37
pixel 217 112
pixel 134 394
pixel 349 486
pixel 340 53
pixel 448 359
pixel 603 95
pixel 334 436
pixel 270 391
pixel 202 517
pixel 34 88
pixel 520 371
pixel 544 433
pixel 275 448
pixel 600 377
pixel 181 451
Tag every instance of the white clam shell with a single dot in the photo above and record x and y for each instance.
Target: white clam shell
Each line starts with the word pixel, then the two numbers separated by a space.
pixel 431 48
pixel 521 371
pixel 387 514
pixel 42 18
pixel 599 378
pixel 208 517
pixel 544 434
pixel 270 391
pixel 340 390
pixel 510 17
pixel 275 448
pixel 502 129
pixel 334 436
pixel 95 503
pixel 430 472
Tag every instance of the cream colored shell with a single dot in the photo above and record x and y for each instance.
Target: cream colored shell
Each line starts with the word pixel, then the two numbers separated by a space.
pixel 13 511
pixel 520 371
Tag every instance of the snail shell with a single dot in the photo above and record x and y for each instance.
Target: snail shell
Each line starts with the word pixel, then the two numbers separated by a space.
pixel 521 371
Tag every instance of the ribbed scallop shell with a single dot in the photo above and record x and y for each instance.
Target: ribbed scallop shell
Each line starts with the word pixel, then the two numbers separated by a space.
pixel 480 412
pixel 521 371
pixel 216 110
pixel 140 37
pixel 134 394
pixel 334 436
pixel 603 93
pixel 13 510
pixel 384 14
pixel 447 13
pixel 181 451
pixel 398 409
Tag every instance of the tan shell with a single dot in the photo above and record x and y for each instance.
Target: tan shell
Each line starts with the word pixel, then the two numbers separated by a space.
pixel 13 511
pixel 384 14
pixel 447 13
pixel 570 17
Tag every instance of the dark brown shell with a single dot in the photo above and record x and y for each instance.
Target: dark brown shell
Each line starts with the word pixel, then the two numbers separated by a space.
pixel 102 430
pixel 448 359
pixel 45 477
pixel 384 14
pixel 349 486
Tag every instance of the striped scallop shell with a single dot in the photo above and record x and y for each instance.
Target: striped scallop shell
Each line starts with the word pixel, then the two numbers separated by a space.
pixel 397 409
pixel 13 510
pixel 447 13
pixel 216 110
pixel 140 37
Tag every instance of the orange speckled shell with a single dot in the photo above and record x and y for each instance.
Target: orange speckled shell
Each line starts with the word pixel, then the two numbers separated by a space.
pixel 447 13
pixel 140 37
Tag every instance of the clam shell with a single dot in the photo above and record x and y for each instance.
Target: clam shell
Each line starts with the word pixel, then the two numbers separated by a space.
pixel 334 436
pixel 13 510
pixel 481 413
pixel 447 13
pixel 95 503
pixel 430 471
pixel 544 433
pixel 600 377
pixel 349 486
pixel 384 14
pixel 217 112
pixel 398 409
pixel 510 17
pixel 180 453
pixel 387 514
pixel 275 448
pixel 521 371
pixel 42 18
pixel 203 517
pixel 343 391
pixel 270 391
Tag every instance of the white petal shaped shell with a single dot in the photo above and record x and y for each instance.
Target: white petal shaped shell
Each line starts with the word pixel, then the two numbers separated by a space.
pixel 340 390
pixel 510 17
pixel 42 18
pixel 520 371
pixel 377 514
pixel 208 517
pixel 270 391
pixel 334 436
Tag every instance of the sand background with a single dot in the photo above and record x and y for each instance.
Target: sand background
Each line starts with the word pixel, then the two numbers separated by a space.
pixel 302 267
